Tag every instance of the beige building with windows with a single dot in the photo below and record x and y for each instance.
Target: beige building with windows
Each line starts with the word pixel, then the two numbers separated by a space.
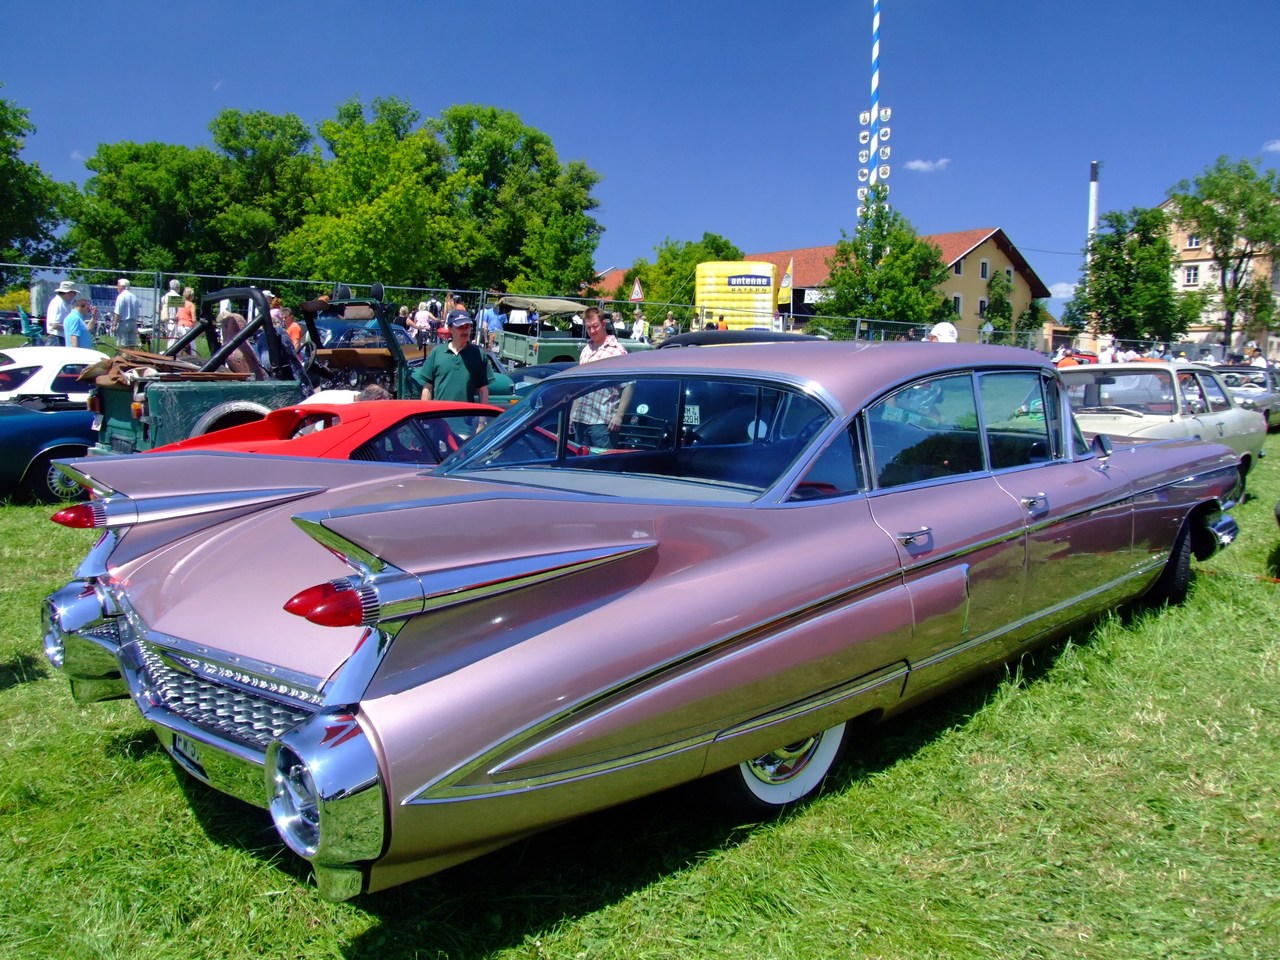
pixel 972 257
pixel 1195 270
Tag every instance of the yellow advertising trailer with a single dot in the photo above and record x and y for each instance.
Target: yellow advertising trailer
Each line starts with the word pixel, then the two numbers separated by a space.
pixel 737 294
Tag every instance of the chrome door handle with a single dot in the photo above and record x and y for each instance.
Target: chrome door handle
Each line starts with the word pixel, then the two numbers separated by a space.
pixel 907 539
pixel 1035 500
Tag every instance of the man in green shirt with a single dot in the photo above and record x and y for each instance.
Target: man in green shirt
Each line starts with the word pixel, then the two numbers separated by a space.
pixel 456 370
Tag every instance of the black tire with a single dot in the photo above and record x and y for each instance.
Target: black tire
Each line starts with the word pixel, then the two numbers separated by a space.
pixel 764 787
pixel 1175 578
pixel 45 483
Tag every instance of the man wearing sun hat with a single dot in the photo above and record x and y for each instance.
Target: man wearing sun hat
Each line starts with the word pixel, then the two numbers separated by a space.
pixel 455 370
pixel 59 307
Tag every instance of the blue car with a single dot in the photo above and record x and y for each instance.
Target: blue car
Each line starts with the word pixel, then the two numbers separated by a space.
pixel 31 438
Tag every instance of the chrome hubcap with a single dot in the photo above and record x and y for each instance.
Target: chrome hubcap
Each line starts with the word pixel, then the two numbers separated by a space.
pixel 785 763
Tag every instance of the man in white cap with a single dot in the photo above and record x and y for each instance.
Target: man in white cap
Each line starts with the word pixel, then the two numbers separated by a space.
pixel 59 307
pixel 127 310
pixel 944 332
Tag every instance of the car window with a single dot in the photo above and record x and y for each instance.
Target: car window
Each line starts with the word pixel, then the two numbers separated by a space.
pixel 1214 395
pixel 924 431
pixel 65 381
pixel 1013 415
pixel 1099 389
pixel 836 472
pixel 733 434
pixel 14 377
pixel 1192 400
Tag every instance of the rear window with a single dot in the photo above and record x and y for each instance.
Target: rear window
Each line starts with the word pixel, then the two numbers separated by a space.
pixel 68 379
pixel 11 378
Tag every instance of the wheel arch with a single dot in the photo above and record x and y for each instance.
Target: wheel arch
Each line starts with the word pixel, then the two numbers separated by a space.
pixel 232 413
pixel 60 449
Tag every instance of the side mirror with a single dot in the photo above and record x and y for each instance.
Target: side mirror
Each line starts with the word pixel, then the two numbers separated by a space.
pixel 1101 445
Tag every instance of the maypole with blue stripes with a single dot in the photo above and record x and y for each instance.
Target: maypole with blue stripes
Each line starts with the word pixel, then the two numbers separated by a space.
pixel 875 89
pixel 875 150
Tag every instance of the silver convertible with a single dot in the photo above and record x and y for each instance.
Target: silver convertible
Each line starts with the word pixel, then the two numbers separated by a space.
pixel 654 569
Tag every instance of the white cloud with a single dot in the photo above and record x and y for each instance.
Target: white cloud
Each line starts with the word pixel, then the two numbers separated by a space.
pixel 1272 146
pixel 77 155
pixel 1062 291
pixel 217 86
pixel 928 166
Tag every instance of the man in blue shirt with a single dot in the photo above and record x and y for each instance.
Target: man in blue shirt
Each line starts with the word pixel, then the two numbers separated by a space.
pixel 491 326
pixel 75 326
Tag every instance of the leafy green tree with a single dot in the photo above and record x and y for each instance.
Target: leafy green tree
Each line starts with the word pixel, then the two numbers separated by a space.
pixel 884 272
pixel 522 219
pixel 157 206
pixel 1235 210
pixel 383 205
pixel 1128 286
pixel 30 202
pixel 999 311
pixel 672 275
pixel 268 180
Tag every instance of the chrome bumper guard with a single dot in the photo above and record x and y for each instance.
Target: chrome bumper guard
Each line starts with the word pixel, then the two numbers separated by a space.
pixel 222 735
pixel 1224 529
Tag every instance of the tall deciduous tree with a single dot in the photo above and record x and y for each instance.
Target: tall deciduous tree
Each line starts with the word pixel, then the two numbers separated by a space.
pixel 523 219
pixel 158 206
pixel 30 202
pixel 999 311
pixel 383 207
pixel 884 272
pixel 1128 285
pixel 1235 210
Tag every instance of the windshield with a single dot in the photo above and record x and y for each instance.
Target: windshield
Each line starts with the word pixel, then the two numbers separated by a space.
pixel 1101 390
pixel 694 438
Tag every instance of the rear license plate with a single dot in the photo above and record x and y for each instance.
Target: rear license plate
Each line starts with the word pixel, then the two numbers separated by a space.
pixel 187 749
pixel 122 445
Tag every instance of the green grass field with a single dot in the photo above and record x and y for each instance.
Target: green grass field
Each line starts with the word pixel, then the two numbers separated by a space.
pixel 1117 797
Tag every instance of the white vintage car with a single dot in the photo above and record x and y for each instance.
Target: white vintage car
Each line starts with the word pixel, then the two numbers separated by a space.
pixel 1146 399
pixel 41 371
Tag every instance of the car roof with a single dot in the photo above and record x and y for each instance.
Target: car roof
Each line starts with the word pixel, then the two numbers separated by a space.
pixel 851 371
pixel 22 356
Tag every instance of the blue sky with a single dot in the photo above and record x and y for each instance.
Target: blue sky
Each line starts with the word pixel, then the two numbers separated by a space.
pixel 735 118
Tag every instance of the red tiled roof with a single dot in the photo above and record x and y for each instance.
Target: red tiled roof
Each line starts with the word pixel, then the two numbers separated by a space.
pixel 811 262
pixel 608 280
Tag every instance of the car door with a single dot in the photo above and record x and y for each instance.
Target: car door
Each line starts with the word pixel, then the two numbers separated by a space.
pixel 1077 511
pixel 960 537
pixel 1221 420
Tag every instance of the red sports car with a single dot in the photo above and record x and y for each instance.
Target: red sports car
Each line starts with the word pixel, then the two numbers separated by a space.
pixel 383 431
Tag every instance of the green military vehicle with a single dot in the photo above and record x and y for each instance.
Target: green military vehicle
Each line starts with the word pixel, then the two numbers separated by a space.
pixel 547 341
pixel 148 400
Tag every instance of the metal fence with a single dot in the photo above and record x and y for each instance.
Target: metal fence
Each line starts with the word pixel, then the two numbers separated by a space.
pixel 151 286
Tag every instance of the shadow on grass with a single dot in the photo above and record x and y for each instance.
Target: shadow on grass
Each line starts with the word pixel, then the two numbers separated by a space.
pixel 516 894
pixel 1273 562
pixel 23 668
pixel 509 897
pixel 135 745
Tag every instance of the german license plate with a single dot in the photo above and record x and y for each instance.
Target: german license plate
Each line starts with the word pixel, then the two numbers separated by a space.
pixel 187 749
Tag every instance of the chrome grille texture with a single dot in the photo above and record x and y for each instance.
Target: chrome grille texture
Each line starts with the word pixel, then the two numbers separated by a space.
pixel 233 713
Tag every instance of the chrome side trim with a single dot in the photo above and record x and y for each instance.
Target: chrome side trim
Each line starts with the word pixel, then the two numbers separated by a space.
pixel 447 781
pixel 944 655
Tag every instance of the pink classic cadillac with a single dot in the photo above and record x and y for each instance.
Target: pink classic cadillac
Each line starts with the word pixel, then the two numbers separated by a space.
pixel 684 564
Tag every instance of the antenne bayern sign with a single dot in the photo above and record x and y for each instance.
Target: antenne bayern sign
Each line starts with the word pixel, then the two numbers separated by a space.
pixel 740 291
